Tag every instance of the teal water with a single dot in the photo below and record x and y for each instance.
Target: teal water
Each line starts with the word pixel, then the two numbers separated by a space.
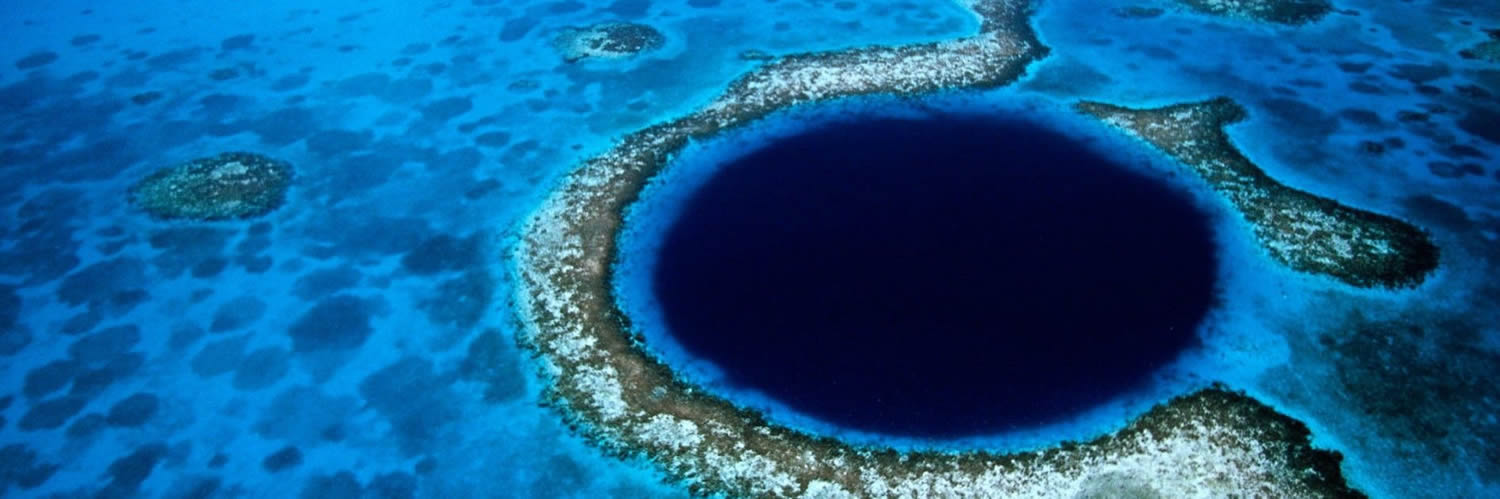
pixel 359 341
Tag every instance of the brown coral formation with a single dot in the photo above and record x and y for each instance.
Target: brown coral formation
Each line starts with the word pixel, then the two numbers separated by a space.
pixel 1303 231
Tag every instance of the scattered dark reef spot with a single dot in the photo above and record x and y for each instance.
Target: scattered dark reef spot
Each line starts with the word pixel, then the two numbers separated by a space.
pixel 129 471
pixel 1291 12
pixel 22 468
pixel 184 334
pixel 1420 380
pixel 52 413
pixel 393 485
pixel 48 378
pixel 415 398
pixel 237 313
pixel 329 143
pixel 81 40
pixel 323 283
pixel 305 416
pixel 100 283
pixel 219 357
pixel 1483 123
pixel 36 60
pixel 173 60
pixel 492 140
pixel 442 110
pixel 287 458
pixel 86 426
pixel 443 253
pixel 494 361
pixel 261 368
pixel 133 411
pixel 1355 67
pixel 340 322
pixel 237 42
pixel 290 82
pixel 341 485
pixel 461 301
pixel 104 346
pixel 1363 117
pixel 92 382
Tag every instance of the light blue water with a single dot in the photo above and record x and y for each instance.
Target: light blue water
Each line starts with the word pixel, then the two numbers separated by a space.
pixel 434 400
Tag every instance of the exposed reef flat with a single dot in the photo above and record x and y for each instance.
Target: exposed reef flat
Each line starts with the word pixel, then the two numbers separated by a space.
pixel 1303 231
pixel 1272 11
pixel 1211 443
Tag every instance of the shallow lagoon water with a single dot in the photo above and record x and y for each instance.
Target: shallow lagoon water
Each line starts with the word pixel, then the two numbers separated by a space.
pixel 420 145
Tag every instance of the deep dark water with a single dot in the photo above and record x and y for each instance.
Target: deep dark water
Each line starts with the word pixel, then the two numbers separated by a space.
pixel 942 277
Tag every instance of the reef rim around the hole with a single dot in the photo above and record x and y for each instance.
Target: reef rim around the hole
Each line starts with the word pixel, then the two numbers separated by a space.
pixel 1214 441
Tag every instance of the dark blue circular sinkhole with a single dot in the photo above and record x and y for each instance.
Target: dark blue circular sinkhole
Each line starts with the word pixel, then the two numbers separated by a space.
pixel 935 278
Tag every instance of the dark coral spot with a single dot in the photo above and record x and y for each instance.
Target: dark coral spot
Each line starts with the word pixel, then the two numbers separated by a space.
pixel 414 397
pixel 341 322
pixel 105 345
pixel 36 60
pixel 494 361
pixel 445 109
pixel 261 368
pixel 220 357
pixel 129 471
pixel 133 411
pixel 442 253
pixel 52 413
pixel 49 378
pixel 237 313
pixel 286 458
pixel 98 283
pixel 341 485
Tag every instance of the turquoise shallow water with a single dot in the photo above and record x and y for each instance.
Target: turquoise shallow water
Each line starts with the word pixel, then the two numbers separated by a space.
pixel 172 359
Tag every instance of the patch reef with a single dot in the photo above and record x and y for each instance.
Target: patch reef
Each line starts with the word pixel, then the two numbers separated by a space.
pixel 1212 443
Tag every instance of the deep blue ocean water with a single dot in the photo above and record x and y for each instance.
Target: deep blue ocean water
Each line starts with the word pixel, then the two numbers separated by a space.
pixel 358 340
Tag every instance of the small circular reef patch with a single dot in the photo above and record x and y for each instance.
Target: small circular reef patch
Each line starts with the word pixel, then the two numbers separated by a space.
pixel 612 40
pixel 227 186
pixel 869 273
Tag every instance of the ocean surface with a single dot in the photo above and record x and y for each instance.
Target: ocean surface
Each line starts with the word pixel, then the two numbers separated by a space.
pixel 359 339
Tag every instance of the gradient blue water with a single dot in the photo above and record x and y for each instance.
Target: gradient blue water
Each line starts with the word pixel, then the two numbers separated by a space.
pixel 423 132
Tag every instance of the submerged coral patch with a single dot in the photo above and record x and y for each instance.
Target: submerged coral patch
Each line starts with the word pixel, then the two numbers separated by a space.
pixel 1303 231
pixel 228 186
pixel 614 40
